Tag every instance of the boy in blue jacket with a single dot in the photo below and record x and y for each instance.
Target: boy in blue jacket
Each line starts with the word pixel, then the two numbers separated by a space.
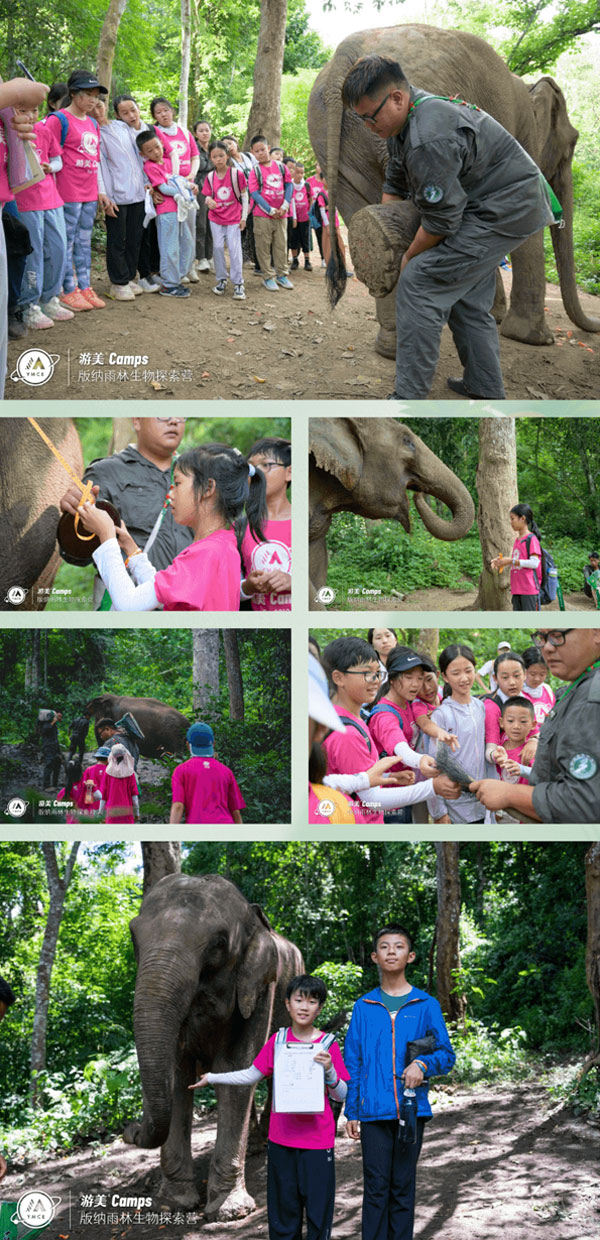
pixel 383 1023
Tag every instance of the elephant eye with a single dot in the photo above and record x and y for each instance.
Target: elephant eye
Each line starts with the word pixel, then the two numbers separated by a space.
pixel 409 443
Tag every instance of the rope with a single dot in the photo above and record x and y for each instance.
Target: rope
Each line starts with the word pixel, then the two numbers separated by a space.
pixel 85 488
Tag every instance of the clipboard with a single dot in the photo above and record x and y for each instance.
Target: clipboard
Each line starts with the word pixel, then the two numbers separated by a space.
pixel 298 1082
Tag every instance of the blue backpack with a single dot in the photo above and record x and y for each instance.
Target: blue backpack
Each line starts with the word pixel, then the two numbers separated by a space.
pixel 64 125
pixel 385 708
pixel 549 583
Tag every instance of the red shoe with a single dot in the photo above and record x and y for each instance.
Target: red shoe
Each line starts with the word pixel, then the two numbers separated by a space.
pixel 74 301
pixel 93 299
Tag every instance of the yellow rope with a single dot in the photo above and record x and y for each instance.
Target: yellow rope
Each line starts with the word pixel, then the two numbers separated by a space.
pixel 85 488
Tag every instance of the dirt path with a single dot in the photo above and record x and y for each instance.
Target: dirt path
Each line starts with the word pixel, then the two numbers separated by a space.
pixel 21 769
pixel 497 1164
pixel 287 345
pixel 439 599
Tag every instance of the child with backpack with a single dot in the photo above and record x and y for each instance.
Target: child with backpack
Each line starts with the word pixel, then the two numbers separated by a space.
pixel 525 560
pixel 175 241
pixel 270 187
pixel 226 193
pixel 301 1168
pixel 40 208
pixel 509 671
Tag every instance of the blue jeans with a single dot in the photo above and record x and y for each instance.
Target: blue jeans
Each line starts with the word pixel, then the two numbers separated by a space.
pixel 79 220
pixel 44 268
pixel 176 248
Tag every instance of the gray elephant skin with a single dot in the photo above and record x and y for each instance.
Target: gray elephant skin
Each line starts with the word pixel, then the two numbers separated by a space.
pixel 210 990
pixel 32 482
pixel 366 466
pixel 444 62
pixel 164 727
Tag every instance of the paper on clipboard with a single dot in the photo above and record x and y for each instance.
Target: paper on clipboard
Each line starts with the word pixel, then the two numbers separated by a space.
pixel 298 1082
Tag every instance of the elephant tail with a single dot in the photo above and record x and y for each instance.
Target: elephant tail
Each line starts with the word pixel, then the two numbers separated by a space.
pixel 336 268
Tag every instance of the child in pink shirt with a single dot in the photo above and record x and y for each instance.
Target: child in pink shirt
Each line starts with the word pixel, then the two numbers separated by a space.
pixel 214 489
pixel 270 187
pixel 204 790
pixel 525 560
pixel 226 193
pixel 517 720
pixel 301 1171
pixel 175 241
pixel 322 209
pixel 41 209
pixel 301 202
pixel 119 788
pixel 267 566
pixel 540 694
pixel 182 150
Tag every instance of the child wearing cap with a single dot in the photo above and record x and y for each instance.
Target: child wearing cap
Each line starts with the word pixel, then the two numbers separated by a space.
pixel 90 782
pixel 204 790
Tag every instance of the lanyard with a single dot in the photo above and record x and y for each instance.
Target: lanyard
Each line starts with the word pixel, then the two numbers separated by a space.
pixel 591 668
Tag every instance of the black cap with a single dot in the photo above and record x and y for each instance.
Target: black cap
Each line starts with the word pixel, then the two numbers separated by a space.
pixel 80 79
pixel 404 662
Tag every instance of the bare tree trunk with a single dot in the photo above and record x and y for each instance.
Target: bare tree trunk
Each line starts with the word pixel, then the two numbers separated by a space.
pixel 46 660
pixel 159 860
pixel 32 661
pixel 122 434
pixel 498 491
pixel 57 888
pixel 453 1003
pixel 108 41
pixel 265 113
pixel 592 958
pixel 428 642
pixel 205 668
pixel 234 674
pixel 186 46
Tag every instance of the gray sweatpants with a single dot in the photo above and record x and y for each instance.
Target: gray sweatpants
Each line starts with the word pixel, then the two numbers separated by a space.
pixel 176 248
pixel 3 307
pixel 453 283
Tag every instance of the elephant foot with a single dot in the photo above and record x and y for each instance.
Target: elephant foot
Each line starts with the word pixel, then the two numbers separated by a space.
pixel 131 1133
pixel 180 1193
pixel 237 1204
pixel 385 343
pixel 375 257
pixel 515 327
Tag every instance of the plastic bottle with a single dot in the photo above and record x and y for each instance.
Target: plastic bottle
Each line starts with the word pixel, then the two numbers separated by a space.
pixel 408 1117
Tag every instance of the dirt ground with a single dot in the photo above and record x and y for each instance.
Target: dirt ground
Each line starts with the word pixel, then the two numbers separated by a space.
pixel 284 345
pixel 438 599
pixel 21 769
pixel 497 1164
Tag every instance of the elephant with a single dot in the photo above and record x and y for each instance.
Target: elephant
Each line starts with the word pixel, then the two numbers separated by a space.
pixel 32 482
pixel 210 990
pixel 164 727
pixel 366 466
pixel 446 62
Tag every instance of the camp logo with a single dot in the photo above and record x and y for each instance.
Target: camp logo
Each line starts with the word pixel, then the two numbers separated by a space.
pixel 433 193
pixel 89 143
pixel 16 595
pixel 325 595
pixel 223 192
pixel 274 180
pixel 583 766
pixel 272 556
pixel 17 807
pixel 325 808
pixel 35 1209
pixel 35 367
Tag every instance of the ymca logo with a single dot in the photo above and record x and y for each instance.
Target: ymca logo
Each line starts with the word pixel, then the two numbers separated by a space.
pixel 274 180
pixel 270 556
pixel 89 144
pixel 224 193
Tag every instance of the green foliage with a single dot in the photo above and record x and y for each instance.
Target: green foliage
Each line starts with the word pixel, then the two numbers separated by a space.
pixel 586 234
pixel 580 1093
pixel 295 92
pixel 529 34
pixel 490 1053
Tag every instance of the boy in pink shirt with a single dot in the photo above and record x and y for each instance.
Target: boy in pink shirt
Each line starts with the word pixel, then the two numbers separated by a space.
pixel 301 200
pixel 517 720
pixel 41 209
pixel 204 790
pixel 301 1169
pixel 174 237
pixel 268 565
pixel 226 193
pixel 270 187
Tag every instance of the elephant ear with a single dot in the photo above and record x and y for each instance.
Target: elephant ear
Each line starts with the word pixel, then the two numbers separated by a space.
pixel 258 967
pixel 336 447
pixel 555 132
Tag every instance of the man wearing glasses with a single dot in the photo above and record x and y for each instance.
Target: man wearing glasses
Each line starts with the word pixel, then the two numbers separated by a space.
pixel 565 780
pixel 479 196
pixel 137 481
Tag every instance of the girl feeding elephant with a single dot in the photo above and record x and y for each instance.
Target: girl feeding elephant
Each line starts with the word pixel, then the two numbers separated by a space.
pixel 214 490
pixel 524 561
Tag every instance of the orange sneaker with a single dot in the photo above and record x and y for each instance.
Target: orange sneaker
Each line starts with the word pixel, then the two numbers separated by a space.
pixel 74 301
pixel 93 299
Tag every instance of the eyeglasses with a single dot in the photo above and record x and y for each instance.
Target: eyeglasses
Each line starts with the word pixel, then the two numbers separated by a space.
pixel 372 678
pixel 368 119
pixel 267 466
pixel 171 419
pixel 556 637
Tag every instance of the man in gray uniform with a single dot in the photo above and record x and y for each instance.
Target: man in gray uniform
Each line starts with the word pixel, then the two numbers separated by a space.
pixel 565 780
pixel 137 481
pixel 479 196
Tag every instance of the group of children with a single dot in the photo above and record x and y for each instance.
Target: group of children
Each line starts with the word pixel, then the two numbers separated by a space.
pixel 106 790
pixel 387 704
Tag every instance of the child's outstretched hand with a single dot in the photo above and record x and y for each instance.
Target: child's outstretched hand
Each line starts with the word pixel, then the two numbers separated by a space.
pixel 499 755
pixel 427 767
pixel 405 778
pixel 324 1058
pixel 378 772
pixel 200 1084
pixel 125 540
pixel 97 521
pixel 512 768
pixel 449 738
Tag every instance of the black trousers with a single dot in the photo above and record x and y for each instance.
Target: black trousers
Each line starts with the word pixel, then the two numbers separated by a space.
pixel 204 241
pixel 124 242
pixel 389 1173
pixel 149 259
pixel 526 602
pixel 319 235
pixel 299 239
pixel 77 747
pixel 52 761
pixel 300 1181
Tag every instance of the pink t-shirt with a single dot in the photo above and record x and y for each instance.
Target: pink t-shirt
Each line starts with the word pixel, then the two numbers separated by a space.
pixel 315 184
pixel 94 774
pixel 348 753
pixel 77 180
pixel 207 789
pixel 44 196
pixel 229 210
pixel 118 794
pixel 6 194
pixel 543 704
pixel 322 206
pixel 493 726
pixel 183 143
pixel 515 755
pixel 158 174
pixel 301 202
pixel 274 554
pixel 75 798
pixel 302 1132
pixel 272 187
pixel 386 730
pixel 204 576
pixel 525 580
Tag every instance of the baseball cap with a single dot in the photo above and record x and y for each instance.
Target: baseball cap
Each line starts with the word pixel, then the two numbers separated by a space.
pixel 201 739
pixel 404 661
pixel 320 707
pixel 102 752
pixel 80 79
pixel 504 646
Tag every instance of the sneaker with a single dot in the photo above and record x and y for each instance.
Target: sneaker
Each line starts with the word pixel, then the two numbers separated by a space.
pixel 220 287
pixel 211 264
pixel 33 316
pixel 202 264
pixel 283 282
pixel 239 292
pixel 94 300
pixel 136 288
pixel 323 263
pixel 121 292
pixel 148 286
pixel 176 290
pixel 257 272
pixel 192 276
pixel 155 279
pixel 185 280
pixel 295 265
pixel 349 275
pixel 74 301
pixel 307 264
pixel 55 311
pixel 16 326
pixel 271 285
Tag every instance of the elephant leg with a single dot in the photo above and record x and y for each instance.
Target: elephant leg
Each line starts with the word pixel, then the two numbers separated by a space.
pixel 318 572
pixel 525 320
pixel 177 1184
pixel 385 309
pixel 227 1196
pixel 377 237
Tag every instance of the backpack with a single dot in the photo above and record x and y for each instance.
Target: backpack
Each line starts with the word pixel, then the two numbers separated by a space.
pixel 235 182
pixel 385 708
pixel 64 125
pixel 258 172
pixel 548 586
pixel 351 723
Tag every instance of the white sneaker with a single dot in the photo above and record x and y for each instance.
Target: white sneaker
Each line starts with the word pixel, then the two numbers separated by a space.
pixel 147 286
pixel 55 311
pixel 323 263
pixel 239 292
pixel 33 316
pixel 121 292
pixel 193 276
pixel 135 288
pixel 202 264
pixel 185 280
pixel 211 265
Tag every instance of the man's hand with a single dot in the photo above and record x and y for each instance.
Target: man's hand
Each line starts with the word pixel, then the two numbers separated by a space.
pixel 353 1129
pixel 72 498
pixel 492 793
pixel 413 1076
pixel 446 788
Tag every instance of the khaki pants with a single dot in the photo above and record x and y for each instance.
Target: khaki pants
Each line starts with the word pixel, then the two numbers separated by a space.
pixel 271 231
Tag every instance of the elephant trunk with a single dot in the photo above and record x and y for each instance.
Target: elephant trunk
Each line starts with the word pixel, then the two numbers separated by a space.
pixel 562 240
pixel 336 271
pixel 443 485
pixel 162 1000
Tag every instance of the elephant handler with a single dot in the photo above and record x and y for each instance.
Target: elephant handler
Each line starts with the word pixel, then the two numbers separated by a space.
pixel 51 752
pixel 137 481
pixel 479 196
pixel 565 780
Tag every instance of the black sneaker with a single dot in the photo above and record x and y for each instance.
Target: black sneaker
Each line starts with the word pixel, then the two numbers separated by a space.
pixel 16 326
pixel 295 264
pixel 175 291
pixel 307 264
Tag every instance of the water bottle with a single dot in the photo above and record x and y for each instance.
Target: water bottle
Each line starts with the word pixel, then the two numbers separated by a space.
pixel 408 1118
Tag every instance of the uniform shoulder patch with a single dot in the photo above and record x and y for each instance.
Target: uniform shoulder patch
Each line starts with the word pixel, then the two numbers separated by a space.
pixel 433 193
pixel 583 766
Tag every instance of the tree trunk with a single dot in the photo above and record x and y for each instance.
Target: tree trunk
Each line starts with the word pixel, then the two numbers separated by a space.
pixel 159 859
pixel 592 958
pixel 205 669
pixel 265 113
pixel 108 41
pixel 45 686
pixel 32 663
pixel 122 434
pixel 57 888
pixel 234 674
pixel 428 642
pixel 186 46
pixel 498 491
pixel 452 1002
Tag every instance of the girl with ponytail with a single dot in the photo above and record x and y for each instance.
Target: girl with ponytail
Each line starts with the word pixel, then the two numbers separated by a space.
pixel 217 494
pixel 525 561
